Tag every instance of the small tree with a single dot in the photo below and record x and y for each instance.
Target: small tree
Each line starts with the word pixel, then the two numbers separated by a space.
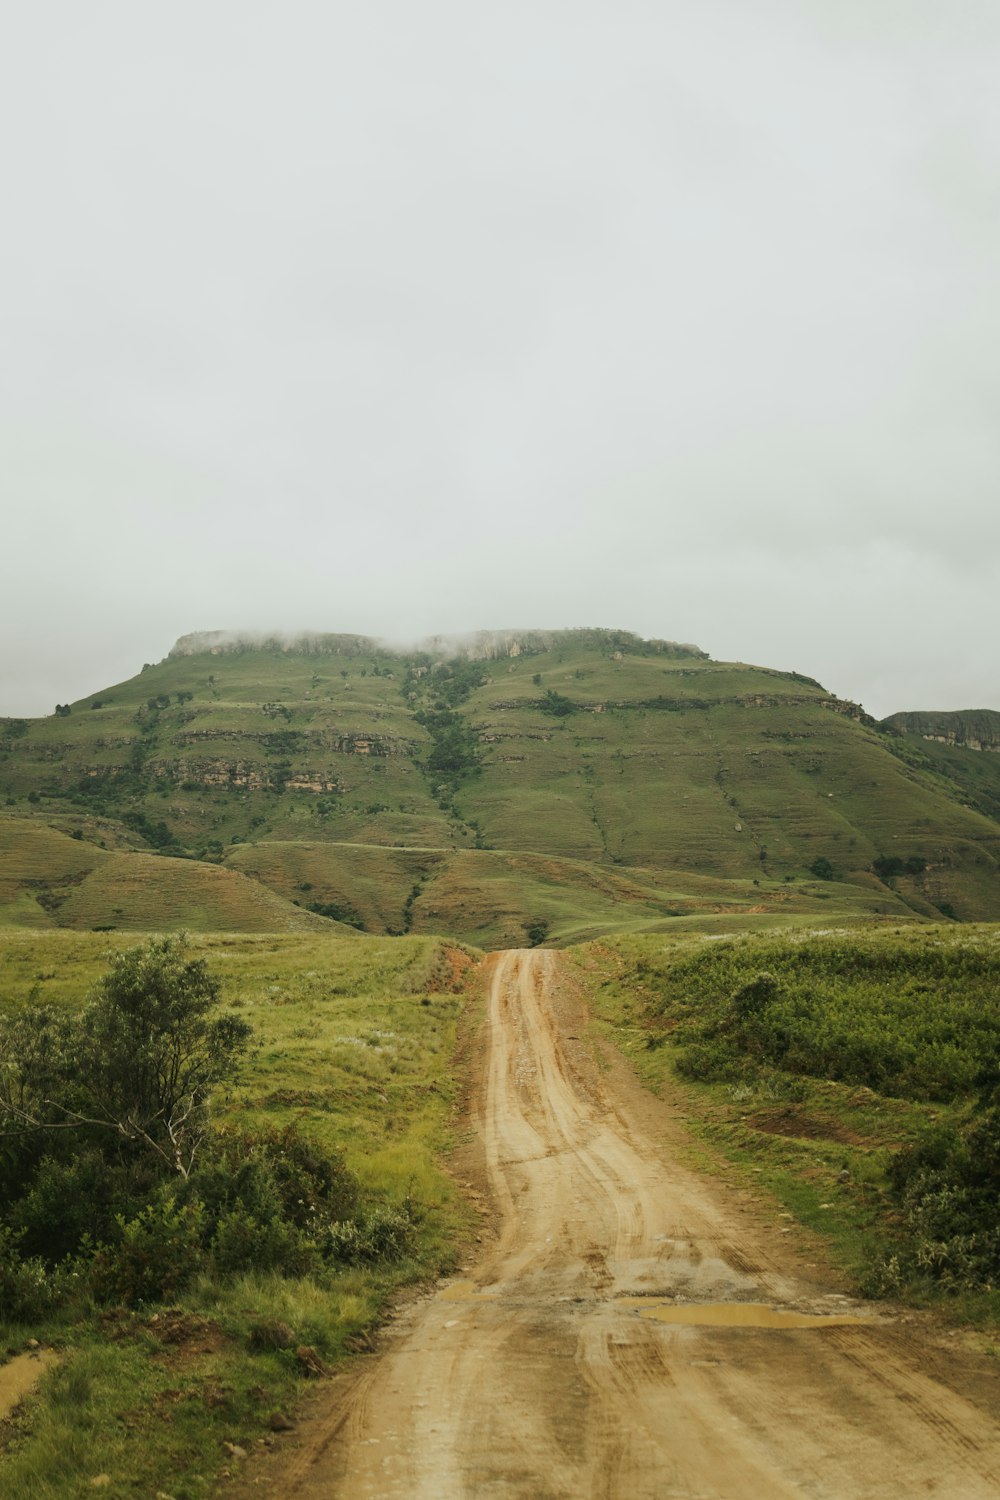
pixel 141 1061
pixel 155 1049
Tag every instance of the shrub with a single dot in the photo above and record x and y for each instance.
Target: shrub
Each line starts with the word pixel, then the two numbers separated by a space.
pixel 556 704
pixel 243 1243
pixel 68 1202
pixel 384 1234
pixel 152 1256
pixel 153 1050
pixel 27 1289
pixel 947 1187
pixel 280 1172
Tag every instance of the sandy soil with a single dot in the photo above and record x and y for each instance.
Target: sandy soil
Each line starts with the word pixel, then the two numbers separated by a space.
pixel 548 1370
pixel 20 1375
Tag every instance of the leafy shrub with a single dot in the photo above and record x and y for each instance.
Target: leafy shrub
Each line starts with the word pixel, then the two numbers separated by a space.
pixel 947 1187
pixel 710 1061
pixel 292 1175
pixel 556 704
pixel 152 1256
pixel 243 1243
pixel 384 1234
pixel 28 1291
pixel 68 1202
pixel 914 1018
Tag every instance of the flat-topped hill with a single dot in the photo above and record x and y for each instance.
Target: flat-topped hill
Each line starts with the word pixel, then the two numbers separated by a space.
pixel 554 780
pixel 974 728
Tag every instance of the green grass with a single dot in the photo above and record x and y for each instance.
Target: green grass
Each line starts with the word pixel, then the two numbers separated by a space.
pixel 924 1001
pixel 357 1040
pixel 50 879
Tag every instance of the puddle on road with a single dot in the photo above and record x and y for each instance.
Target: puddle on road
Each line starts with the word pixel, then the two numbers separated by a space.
pixel 732 1314
pixel 464 1291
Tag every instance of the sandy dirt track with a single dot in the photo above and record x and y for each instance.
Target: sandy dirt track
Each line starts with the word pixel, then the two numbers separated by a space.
pixel 545 1371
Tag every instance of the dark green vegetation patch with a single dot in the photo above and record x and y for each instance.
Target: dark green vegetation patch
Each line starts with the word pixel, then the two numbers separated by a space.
pixel 862 1069
pixel 219 1163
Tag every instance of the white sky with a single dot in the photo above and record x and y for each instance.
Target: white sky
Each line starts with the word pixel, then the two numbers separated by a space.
pixel 404 318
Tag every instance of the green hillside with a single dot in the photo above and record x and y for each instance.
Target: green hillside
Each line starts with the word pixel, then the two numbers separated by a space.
pixel 50 880
pixel 958 748
pixel 563 782
pixel 973 728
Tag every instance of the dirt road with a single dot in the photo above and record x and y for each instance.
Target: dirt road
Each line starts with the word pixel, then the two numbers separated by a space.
pixel 554 1367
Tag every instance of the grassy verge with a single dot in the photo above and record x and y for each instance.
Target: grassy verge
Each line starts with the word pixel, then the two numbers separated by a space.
pixel 907 1019
pixel 356 1041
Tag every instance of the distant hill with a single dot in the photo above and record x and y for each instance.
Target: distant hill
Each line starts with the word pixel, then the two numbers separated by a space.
pixel 959 748
pixel 556 782
pixel 973 728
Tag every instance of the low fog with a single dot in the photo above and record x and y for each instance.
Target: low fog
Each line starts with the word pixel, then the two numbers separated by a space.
pixel 416 319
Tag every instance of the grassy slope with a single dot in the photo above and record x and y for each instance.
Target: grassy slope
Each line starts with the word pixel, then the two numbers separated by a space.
pixel 667 771
pixel 971 776
pixel 358 1040
pixel 490 897
pixel 733 763
pixel 48 879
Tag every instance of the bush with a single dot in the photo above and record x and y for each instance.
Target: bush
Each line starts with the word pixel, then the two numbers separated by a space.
pixel 153 1255
pixel 153 1048
pixel 28 1291
pixel 947 1187
pixel 278 1173
pixel 243 1243
pixel 68 1202
pixel 385 1234
pixel 556 704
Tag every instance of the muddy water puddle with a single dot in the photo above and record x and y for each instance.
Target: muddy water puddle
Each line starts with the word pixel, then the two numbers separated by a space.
pixel 466 1291
pixel 733 1314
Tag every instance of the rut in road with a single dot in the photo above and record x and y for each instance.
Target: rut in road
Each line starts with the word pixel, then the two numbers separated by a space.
pixel 548 1373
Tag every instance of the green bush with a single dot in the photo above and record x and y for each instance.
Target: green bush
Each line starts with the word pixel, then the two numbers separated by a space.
pixel 283 1172
pixel 28 1291
pixel 384 1234
pixel 947 1187
pixel 916 1019
pixel 153 1255
pixel 71 1201
pixel 243 1243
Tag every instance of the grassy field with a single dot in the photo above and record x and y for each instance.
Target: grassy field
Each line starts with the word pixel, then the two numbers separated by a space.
pixel 822 1062
pixel 357 1041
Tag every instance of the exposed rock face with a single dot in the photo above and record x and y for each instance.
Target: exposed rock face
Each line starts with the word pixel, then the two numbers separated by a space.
pixel 219 642
pixel 971 728
pixel 483 645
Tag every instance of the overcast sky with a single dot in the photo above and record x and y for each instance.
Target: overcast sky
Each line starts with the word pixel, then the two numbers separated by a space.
pixel 403 318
